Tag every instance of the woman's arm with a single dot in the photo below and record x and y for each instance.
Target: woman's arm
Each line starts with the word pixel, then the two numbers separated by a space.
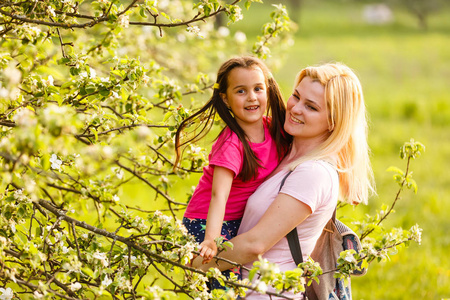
pixel 221 186
pixel 281 217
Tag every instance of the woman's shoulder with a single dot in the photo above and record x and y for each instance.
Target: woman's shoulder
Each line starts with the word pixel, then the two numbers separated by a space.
pixel 316 167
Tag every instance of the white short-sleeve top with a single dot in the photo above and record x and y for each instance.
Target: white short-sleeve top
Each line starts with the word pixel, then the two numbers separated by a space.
pixel 316 184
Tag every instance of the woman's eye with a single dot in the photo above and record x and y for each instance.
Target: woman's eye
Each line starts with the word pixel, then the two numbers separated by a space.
pixel 295 96
pixel 311 107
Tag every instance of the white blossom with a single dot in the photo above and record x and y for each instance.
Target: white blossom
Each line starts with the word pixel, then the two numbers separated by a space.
pixel 349 257
pixel 38 295
pixel 196 150
pixel 49 80
pixel 124 283
pixel 75 286
pixel 7 294
pixel 193 29
pixel 119 174
pixel 416 233
pixel 145 79
pixel 51 11
pixel 132 258
pixel 238 13
pixel 65 249
pixel 124 21
pixel 56 163
pixel 262 287
pixel 83 74
pixel 19 196
pixel 92 73
pixel 101 257
pixel 182 228
pixel 116 199
pixel 106 281
pixel 115 95
pixel 33 30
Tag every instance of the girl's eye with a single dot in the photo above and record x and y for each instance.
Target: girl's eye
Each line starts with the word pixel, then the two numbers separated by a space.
pixel 240 91
pixel 259 89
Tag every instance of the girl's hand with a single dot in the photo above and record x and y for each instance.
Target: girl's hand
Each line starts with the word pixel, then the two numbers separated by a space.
pixel 208 249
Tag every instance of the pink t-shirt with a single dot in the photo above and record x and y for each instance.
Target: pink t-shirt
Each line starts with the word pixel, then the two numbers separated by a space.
pixel 228 152
pixel 315 183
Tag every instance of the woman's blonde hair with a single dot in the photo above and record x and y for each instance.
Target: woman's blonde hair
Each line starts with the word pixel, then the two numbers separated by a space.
pixel 346 147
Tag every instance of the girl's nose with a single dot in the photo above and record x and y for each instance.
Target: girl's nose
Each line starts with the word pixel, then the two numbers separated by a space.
pixel 252 96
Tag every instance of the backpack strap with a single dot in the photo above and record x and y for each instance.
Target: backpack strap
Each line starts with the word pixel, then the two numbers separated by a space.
pixel 294 244
pixel 292 236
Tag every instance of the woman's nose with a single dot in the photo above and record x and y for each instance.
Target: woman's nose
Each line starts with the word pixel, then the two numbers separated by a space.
pixel 297 108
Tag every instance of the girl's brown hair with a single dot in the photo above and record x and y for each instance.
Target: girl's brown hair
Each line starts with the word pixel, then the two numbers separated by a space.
pixel 203 119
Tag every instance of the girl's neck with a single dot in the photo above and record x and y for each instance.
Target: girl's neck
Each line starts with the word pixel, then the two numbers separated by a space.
pixel 255 132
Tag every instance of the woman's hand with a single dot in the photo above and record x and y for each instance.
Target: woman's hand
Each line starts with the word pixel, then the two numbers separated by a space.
pixel 208 249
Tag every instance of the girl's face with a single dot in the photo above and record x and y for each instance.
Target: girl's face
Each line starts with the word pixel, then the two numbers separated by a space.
pixel 246 95
pixel 306 113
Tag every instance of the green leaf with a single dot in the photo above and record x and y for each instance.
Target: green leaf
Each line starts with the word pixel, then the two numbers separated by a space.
pixel 395 169
pixel 63 61
pixel 90 88
pixel 167 116
pixel 142 12
pixel 95 132
pixel 87 271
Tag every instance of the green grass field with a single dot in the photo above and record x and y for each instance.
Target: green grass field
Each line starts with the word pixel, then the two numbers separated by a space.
pixel 405 73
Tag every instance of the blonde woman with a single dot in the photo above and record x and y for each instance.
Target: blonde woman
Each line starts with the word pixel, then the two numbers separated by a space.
pixel 329 159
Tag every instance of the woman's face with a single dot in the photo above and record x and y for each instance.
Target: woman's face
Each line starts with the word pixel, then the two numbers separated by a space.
pixel 307 114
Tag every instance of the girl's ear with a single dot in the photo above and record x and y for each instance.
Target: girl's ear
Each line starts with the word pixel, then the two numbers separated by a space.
pixel 224 99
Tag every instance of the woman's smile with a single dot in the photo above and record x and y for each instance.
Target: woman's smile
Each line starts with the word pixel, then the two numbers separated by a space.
pixel 295 120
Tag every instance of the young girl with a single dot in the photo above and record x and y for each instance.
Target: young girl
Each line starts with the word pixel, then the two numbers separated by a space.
pixel 247 150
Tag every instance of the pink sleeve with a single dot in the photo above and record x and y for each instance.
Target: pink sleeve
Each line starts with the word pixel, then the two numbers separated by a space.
pixel 310 183
pixel 226 153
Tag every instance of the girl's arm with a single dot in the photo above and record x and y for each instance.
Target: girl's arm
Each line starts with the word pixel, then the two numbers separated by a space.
pixel 221 186
pixel 281 217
